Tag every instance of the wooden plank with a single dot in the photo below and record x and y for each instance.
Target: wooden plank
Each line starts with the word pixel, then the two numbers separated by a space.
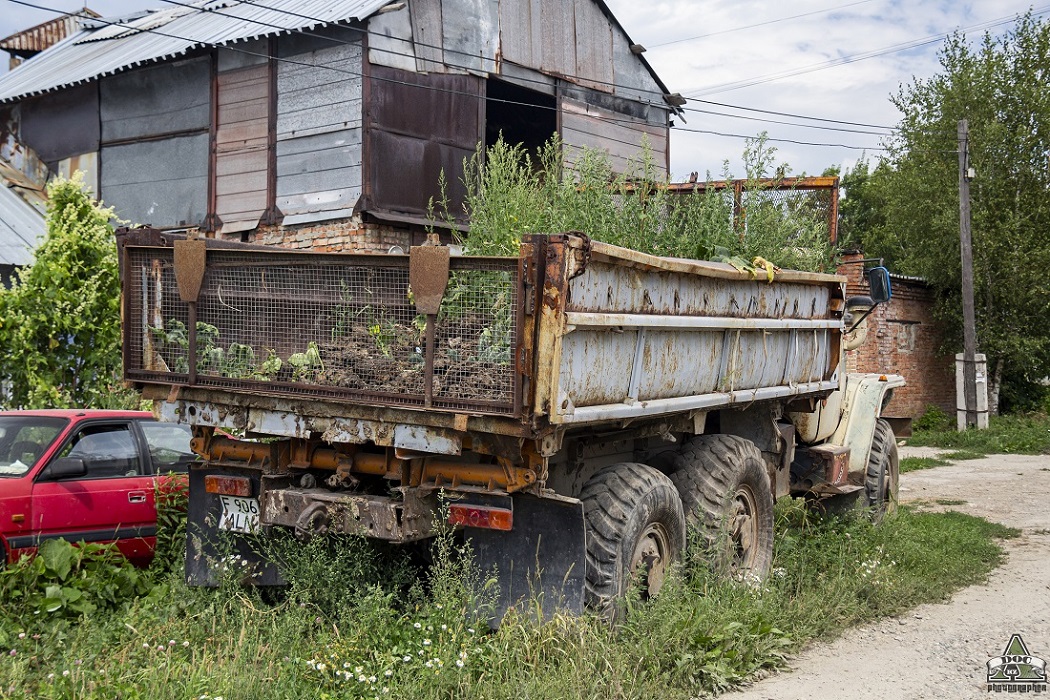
pixel 427 35
pixel 240 183
pixel 557 20
pixel 594 60
pixel 516 39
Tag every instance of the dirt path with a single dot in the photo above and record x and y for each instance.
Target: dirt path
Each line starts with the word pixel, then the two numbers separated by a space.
pixel 940 651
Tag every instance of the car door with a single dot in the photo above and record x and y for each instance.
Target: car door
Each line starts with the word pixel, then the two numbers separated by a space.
pixel 112 502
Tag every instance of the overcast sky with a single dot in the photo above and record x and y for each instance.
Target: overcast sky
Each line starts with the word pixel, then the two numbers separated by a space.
pixel 703 49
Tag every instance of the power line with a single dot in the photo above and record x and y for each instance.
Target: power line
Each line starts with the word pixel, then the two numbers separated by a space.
pixel 759 24
pixel 776 140
pixel 751 82
pixel 785 114
pixel 776 121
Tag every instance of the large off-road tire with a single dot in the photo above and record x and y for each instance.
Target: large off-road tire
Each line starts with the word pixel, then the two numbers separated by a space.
pixel 725 490
pixel 882 479
pixel 635 524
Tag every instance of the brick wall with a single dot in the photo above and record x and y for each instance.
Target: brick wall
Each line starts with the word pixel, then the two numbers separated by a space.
pixel 341 235
pixel 903 338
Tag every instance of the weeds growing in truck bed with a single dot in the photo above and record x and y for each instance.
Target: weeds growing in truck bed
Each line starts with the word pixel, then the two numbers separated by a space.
pixel 357 623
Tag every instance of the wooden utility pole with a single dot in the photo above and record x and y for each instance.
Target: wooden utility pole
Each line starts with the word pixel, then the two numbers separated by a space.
pixel 969 317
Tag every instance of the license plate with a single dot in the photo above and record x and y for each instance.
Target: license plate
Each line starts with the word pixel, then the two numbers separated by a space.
pixel 239 514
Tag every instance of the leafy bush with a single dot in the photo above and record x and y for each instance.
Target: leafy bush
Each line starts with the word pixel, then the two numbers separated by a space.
pixel 171 494
pixel 934 418
pixel 65 582
pixel 60 321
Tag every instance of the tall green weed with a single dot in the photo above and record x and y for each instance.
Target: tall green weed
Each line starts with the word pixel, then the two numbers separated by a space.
pixel 510 192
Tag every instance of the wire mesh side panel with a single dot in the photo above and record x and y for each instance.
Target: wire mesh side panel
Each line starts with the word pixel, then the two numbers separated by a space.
pixel 476 334
pixel 340 326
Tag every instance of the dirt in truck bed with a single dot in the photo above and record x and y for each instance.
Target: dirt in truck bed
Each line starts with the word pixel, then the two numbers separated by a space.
pixel 469 363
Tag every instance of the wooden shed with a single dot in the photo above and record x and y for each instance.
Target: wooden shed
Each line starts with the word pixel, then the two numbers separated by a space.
pixel 326 124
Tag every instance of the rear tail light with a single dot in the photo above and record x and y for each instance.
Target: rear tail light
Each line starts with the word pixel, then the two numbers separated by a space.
pixel 228 485
pixel 481 516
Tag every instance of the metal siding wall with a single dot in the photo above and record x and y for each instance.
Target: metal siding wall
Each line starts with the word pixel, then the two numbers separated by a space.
pixel 163 183
pixel 390 40
pixel 419 125
pixel 522 42
pixel 471 34
pixel 158 181
pixel 62 124
pixel 633 80
pixel 594 58
pixel 587 126
pixel 241 146
pixel 319 132
pixel 163 99
pixel 558 27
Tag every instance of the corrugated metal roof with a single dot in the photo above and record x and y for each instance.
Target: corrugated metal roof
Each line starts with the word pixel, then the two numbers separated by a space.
pixel 170 32
pixel 21 227
pixel 46 34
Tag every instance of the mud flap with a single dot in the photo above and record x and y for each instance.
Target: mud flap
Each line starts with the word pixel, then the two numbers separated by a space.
pixel 540 565
pixel 213 554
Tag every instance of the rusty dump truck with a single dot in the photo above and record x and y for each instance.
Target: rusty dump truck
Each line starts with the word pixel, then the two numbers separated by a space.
pixel 572 410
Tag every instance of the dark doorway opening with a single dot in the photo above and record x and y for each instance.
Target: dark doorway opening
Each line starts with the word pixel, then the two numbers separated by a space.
pixel 523 116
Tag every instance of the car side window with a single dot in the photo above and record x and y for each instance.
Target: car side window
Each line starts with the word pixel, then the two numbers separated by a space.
pixel 169 447
pixel 108 451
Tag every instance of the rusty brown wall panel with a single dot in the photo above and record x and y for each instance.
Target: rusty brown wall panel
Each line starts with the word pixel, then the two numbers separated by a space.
pixel 406 169
pixel 427 34
pixel 443 107
pixel 419 125
pixel 62 124
pixel 241 139
pixel 594 60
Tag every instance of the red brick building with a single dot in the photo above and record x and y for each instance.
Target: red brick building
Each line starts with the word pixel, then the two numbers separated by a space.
pixel 903 338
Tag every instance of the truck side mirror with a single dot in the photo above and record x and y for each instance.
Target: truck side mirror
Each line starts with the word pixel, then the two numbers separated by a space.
pixel 879 283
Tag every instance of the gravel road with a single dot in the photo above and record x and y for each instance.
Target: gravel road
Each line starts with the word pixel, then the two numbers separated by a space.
pixel 940 651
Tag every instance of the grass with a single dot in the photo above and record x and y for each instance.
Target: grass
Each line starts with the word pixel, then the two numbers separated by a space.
pixel 1009 434
pixel 911 464
pixel 357 623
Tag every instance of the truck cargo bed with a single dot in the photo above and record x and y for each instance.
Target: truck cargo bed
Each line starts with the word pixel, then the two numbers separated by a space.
pixel 571 332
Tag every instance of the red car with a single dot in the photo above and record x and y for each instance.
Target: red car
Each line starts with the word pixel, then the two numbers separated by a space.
pixel 85 475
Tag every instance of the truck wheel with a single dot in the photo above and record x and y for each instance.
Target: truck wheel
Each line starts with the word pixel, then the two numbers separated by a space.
pixel 883 475
pixel 635 523
pixel 725 490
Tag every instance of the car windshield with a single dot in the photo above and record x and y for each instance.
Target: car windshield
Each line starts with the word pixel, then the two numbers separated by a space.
pixel 23 441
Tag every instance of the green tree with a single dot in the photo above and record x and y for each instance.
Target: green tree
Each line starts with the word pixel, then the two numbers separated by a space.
pixel 862 205
pixel 1000 85
pixel 60 321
